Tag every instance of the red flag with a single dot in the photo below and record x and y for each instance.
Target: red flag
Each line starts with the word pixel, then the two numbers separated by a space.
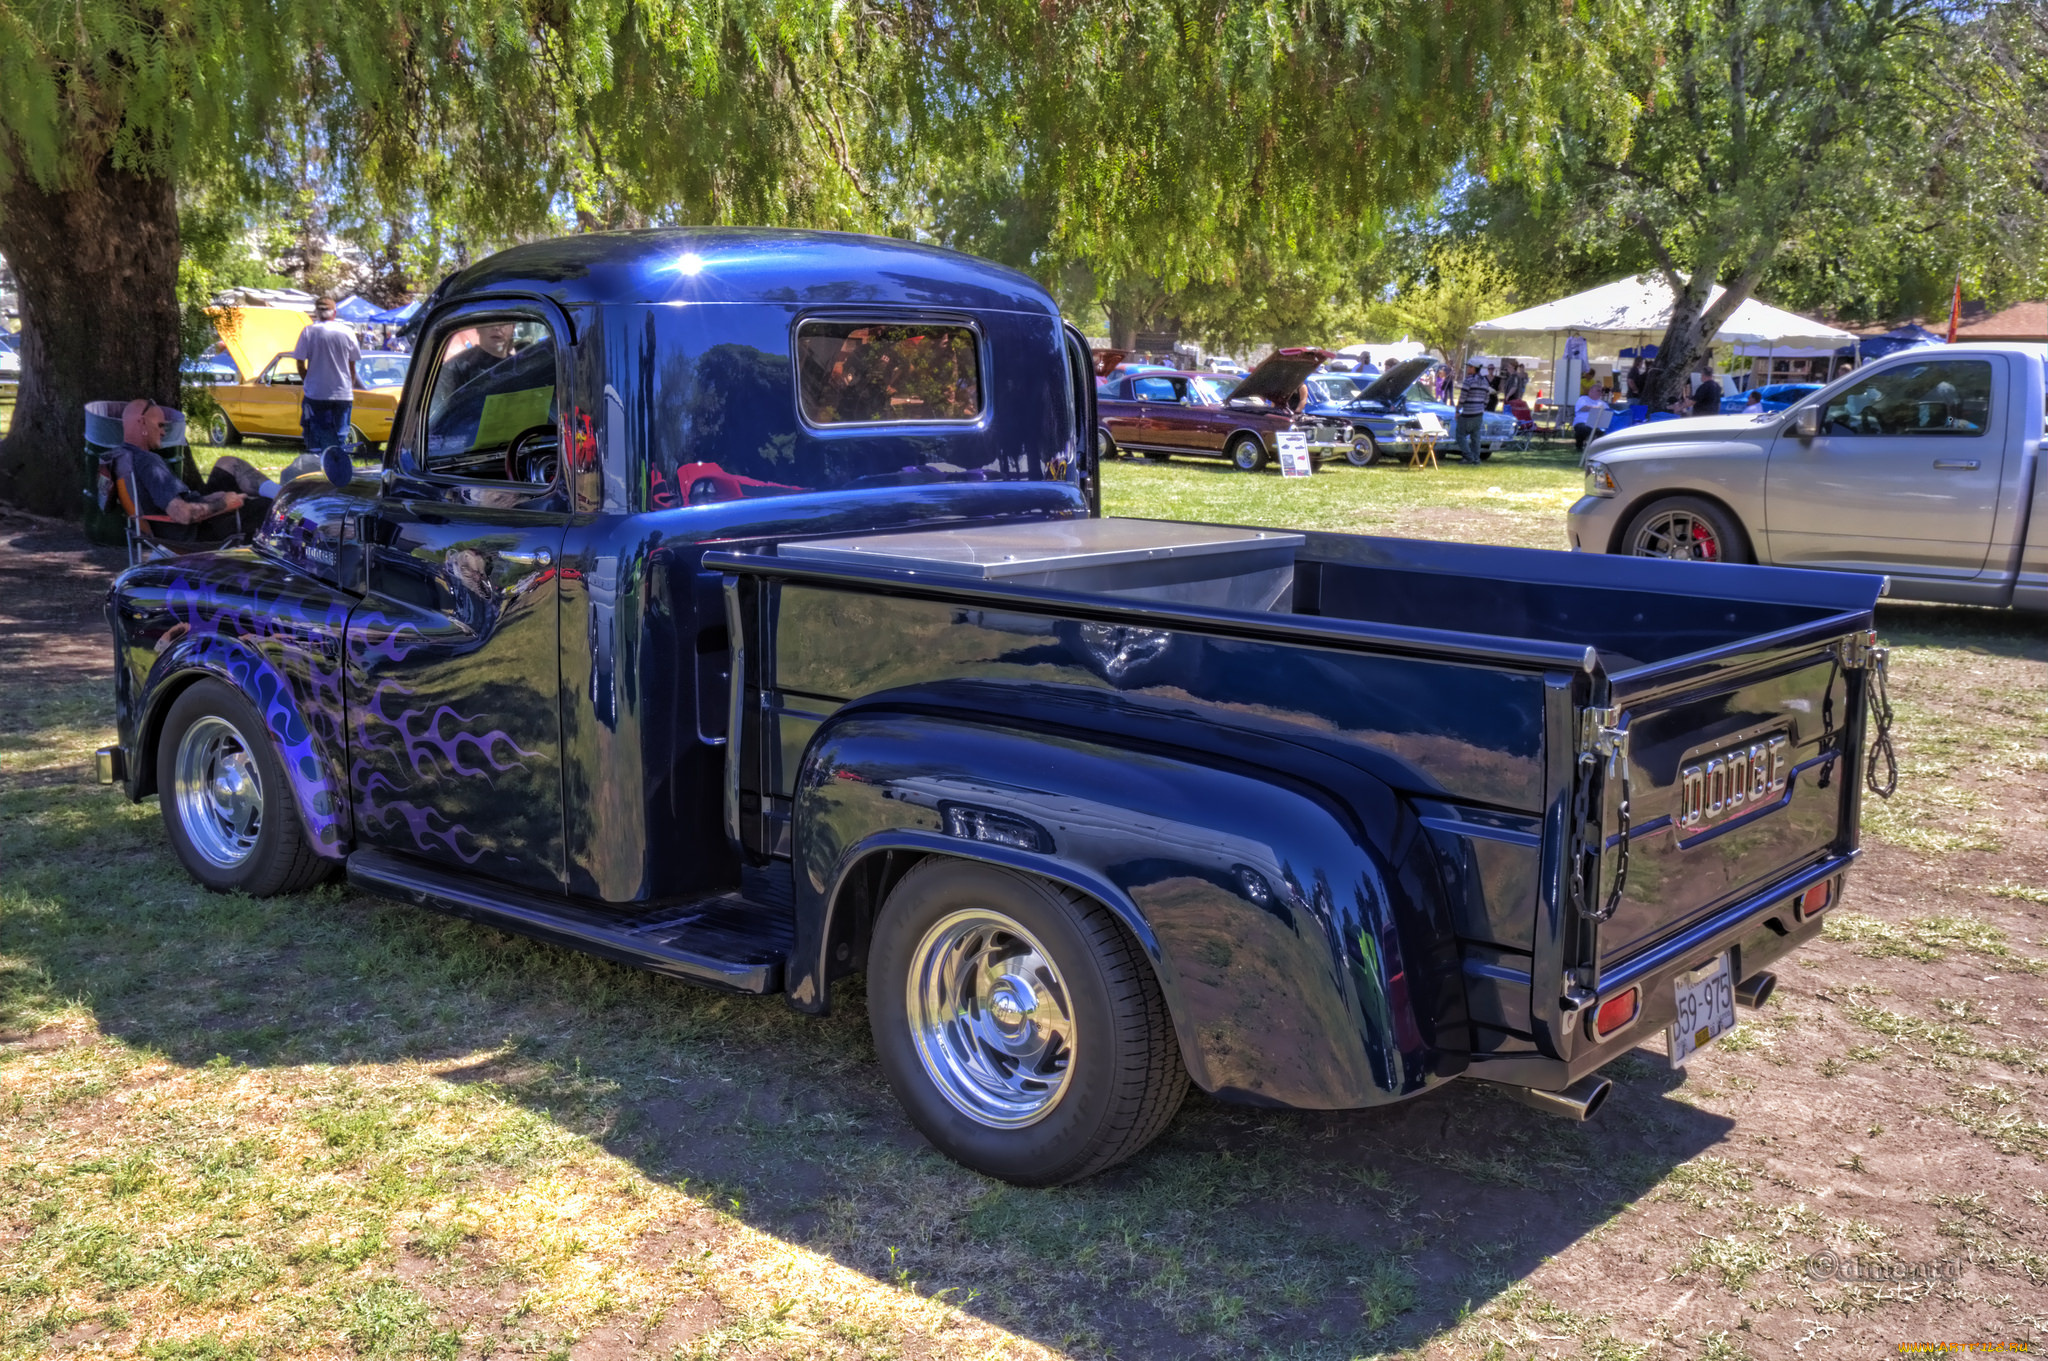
pixel 1955 310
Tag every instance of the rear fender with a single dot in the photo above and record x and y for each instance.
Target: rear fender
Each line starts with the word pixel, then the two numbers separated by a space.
pixel 1300 939
pixel 274 636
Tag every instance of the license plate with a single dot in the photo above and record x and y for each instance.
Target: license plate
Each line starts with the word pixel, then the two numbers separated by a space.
pixel 1706 1009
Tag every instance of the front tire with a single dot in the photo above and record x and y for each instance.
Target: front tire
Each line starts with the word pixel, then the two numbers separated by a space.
pixel 1247 453
pixel 1687 528
pixel 1364 451
pixel 1019 1024
pixel 227 806
pixel 220 431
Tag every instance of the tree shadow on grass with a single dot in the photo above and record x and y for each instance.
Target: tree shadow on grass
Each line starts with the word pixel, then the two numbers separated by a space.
pixel 1241 1230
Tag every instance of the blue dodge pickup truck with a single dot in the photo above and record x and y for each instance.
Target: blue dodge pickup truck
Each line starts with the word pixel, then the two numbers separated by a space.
pixel 737 604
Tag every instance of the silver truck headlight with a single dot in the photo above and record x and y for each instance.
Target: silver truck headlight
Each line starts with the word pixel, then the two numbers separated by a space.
pixel 1599 482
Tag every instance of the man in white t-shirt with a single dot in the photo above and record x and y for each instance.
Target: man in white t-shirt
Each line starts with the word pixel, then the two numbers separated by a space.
pixel 327 353
pixel 1590 415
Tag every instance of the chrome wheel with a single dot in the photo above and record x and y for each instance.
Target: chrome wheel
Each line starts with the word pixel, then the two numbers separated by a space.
pixel 219 792
pixel 1363 451
pixel 1248 454
pixel 1678 534
pixel 217 430
pixel 1105 447
pixel 992 1018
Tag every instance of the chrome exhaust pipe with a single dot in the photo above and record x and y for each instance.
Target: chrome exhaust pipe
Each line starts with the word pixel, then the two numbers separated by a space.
pixel 1576 1102
pixel 1756 990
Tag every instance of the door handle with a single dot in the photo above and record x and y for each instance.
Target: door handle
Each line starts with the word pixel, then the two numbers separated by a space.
pixel 1956 464
pixel 526 557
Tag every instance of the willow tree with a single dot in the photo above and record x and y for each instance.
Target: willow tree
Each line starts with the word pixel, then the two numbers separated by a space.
pixel 1240 144
pixel 493 111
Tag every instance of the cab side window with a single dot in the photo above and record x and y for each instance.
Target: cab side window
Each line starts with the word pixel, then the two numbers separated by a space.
pixel 492 411
pixel 283 372
pixel 1154 390
pixel 1937 397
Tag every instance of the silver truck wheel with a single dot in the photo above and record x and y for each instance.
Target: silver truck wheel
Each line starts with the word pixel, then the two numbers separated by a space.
pixel 1687 528
pixel 219 792
pixel 227 806
pixel 1019 1023
pixel 989 1012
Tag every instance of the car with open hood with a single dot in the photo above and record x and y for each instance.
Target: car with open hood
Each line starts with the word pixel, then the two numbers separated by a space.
pixel 1214 415
pixel 264 395
pixel 1390 413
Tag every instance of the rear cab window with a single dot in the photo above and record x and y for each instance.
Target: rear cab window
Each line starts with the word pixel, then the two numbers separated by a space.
pixel 870 373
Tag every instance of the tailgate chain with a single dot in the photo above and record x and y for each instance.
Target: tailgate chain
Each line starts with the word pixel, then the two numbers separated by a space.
pixel 1605 735
pixel 1881 709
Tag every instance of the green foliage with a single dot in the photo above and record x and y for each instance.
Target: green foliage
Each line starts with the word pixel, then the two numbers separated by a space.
pixel 1460 285
pixel 1855 152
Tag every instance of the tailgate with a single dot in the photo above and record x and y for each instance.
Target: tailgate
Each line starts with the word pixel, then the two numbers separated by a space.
pixel 1737 778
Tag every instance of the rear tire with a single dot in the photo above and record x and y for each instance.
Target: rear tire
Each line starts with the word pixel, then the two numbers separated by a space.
pixel 226 803
pixel 1105 446
pixel 1019 1024
pixel 1688 528
pixel 1248 453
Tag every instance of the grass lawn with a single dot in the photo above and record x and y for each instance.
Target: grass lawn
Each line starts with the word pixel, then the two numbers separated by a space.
pixel 330 1126
pixel 1515 498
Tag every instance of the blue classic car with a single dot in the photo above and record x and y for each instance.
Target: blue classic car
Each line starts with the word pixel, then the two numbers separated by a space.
pixel 1390 413
pixel 738 605
pixel 1776 397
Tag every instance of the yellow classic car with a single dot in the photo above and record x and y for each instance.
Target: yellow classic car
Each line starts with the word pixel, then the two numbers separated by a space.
pixel 267 406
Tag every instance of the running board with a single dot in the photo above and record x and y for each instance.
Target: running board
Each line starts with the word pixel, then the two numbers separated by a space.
pixel 722 941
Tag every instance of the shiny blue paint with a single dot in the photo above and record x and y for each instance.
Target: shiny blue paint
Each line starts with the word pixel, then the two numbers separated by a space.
pixel 1282 931
pixel 272 633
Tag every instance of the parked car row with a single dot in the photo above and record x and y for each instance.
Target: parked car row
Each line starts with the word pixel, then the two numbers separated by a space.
pixel 1362 418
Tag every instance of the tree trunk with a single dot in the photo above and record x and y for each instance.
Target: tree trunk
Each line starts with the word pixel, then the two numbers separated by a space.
pixel 1691 333
pixel 97 268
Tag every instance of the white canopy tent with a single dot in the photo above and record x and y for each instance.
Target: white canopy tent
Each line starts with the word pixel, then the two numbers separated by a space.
pixel 1636 310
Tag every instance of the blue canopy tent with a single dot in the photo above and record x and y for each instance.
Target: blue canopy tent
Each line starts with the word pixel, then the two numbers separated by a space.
pixel 356 310
pixel 394 316
pixel 1905 337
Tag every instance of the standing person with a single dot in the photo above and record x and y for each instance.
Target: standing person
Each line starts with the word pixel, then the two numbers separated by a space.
pixel 1472 398
pixel 1515 384
pixel 1366 368
pixel 1706 394
pixel 327 353
pixel 1638 378
pixel 1493 381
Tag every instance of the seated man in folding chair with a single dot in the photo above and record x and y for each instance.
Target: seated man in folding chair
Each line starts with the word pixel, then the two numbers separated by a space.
pixel 235 501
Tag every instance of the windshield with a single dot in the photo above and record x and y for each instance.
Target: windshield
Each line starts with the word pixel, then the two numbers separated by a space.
pixel 1334 388
pixel 382 370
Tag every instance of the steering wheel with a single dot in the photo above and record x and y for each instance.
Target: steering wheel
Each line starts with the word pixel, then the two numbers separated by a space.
pixel 533 456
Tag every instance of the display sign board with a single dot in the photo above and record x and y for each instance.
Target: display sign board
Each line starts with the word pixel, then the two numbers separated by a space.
pixel 1293 445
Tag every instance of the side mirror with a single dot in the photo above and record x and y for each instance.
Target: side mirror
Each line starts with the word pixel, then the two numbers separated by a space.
pixel 1806 421
pixel 337 466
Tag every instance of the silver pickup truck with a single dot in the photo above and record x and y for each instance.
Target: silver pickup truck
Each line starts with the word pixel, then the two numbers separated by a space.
pixel 1923 467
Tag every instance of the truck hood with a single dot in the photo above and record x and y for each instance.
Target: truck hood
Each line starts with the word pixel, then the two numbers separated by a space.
pixel 1691 430
pixel 1279 374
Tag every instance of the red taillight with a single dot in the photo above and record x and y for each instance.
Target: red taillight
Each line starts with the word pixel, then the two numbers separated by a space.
pixel 1616 1012
pixel 1816 898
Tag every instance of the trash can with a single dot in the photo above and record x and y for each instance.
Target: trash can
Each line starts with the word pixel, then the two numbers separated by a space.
pixel 105 521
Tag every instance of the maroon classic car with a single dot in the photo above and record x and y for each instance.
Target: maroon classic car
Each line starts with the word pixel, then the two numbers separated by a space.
pixel 1216 415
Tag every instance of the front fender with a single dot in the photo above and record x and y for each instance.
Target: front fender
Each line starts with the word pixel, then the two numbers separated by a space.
pixel 273 634
pixel 1298 931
